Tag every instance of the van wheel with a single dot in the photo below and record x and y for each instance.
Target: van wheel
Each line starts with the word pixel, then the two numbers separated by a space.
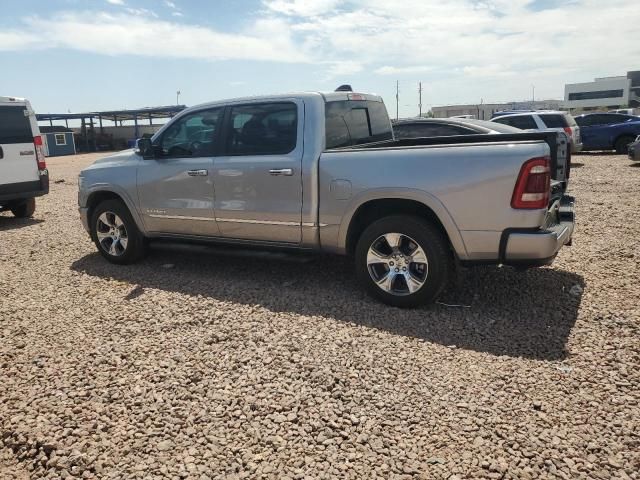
pixel 622 144
pixel 115 233
pixel 24 209
pixel 403 260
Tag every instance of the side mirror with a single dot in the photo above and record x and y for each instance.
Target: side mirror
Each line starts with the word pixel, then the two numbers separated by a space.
pixel 144 147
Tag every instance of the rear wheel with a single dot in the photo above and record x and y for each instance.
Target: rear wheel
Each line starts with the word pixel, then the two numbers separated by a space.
pixel 622 144
pixel 403 260
pixel 115 233
pixel 24 208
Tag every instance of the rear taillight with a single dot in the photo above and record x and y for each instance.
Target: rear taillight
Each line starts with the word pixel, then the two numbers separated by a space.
pixel 568 131
pixel 533 185
pixel 42 163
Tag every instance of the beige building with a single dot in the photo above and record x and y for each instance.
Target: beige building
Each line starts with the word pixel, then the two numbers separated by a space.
pixel 484 111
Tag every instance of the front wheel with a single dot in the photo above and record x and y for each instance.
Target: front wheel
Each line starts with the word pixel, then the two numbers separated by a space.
pixel 115 233
pixel 622 144
pixel 24 208
pixel 403 260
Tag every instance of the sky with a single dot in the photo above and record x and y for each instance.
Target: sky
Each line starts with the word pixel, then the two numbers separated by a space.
pixel 88 55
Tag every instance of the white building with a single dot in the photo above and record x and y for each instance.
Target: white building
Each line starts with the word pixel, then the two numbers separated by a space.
pixel 604 93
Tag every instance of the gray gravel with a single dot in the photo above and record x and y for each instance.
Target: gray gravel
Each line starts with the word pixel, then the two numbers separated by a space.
pixel 211 363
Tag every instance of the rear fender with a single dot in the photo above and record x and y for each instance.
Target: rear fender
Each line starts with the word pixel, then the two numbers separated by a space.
pixel 420 196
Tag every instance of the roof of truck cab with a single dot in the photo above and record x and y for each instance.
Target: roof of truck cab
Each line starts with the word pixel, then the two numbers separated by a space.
pixel 13 100
pixel 327 96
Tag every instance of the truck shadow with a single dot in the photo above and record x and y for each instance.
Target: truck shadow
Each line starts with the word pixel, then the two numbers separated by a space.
pixel 13 223
pixel 498 310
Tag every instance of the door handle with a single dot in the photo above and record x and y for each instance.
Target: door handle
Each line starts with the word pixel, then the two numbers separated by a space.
pixel 281 172
pixel 197 173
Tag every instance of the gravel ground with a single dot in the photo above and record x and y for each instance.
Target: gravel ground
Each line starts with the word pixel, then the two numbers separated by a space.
pixel 211 363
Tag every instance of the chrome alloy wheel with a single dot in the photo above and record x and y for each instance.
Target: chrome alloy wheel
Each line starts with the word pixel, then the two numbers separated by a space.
pixel 397 264
pixel 112 234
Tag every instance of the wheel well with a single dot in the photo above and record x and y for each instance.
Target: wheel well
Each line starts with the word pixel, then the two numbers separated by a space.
pixel 98 197
pixel 624 135
pixel 373 210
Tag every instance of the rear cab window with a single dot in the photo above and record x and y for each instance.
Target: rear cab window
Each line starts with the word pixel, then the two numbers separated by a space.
pixel 15 126
pixel 355 122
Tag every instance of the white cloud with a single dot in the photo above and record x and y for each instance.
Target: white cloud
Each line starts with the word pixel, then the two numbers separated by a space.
pixel 116 2
pixel 466 45
pixel 390 70
pixel 120 34
pixel 302 8
pixel 177 14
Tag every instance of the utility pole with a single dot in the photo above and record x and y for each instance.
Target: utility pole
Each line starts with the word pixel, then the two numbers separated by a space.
pixel 533 93
pixel 177 97
pixel 397 98
pixel 420 97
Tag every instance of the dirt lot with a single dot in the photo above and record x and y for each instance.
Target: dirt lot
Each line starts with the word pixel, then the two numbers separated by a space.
pixel 236 366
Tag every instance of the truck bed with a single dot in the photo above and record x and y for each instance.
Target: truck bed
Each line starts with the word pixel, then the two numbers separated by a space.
pixel 558 145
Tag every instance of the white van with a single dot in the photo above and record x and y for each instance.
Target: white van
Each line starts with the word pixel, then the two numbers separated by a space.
pixel 23 170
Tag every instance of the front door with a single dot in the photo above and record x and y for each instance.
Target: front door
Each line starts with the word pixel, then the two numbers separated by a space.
pixel 176 188
pixel 258 180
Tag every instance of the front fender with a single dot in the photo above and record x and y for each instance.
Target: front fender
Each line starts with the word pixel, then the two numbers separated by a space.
pixel 403 194
pixel 124 195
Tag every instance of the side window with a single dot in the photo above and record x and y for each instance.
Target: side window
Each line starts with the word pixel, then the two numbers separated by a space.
pixel 524 122
pixel 429 129
pixel 14 125
pixel 599 120
pixel 554 121
pixel 413 130
pixel 263 129
pixel 192 135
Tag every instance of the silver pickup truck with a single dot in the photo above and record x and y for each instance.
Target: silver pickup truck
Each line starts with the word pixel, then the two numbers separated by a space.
pixel 322 172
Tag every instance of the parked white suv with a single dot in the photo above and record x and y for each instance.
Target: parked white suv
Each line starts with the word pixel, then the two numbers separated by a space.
pixel 545 120
pixel 23 170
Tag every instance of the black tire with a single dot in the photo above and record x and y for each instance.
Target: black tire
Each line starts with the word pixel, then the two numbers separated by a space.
pixel 24 208
pixel 622 144
pixel 135 241
pixel 439 266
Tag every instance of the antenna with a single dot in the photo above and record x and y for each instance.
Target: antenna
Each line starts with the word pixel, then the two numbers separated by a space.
pixel 397 98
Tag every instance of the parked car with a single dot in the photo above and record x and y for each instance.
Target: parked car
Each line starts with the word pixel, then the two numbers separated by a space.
pixel 626 111
pixel 608 131
pixel 23 169
pixel 442 127
pixel 501 113
pixel 634 150
pixel 322 172
pixel 545 121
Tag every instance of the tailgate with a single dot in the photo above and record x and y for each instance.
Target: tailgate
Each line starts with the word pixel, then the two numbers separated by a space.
pixel 560 147
pixel 18 162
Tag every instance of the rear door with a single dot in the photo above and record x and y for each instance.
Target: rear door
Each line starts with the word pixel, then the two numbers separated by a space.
pixel 258 181
pixel 18 163
pixel 596 132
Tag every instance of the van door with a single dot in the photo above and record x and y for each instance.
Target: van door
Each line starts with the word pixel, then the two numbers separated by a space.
pixel 18 162
pixel 258 180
